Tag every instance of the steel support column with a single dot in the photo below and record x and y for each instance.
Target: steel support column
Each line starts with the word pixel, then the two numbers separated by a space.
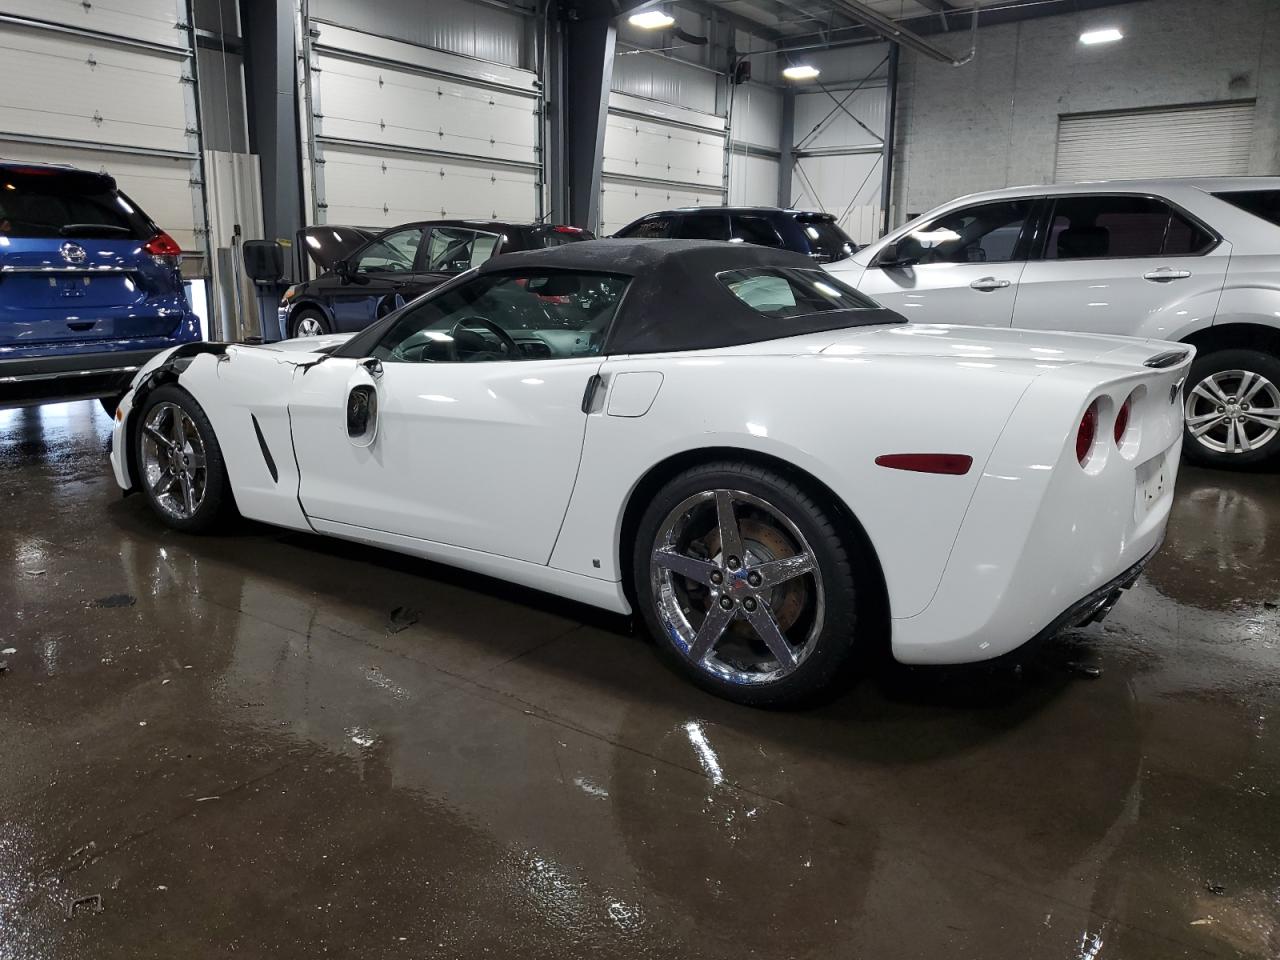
pixel 787 145
pixel 585 65
pixel 270 63
pixel 890 121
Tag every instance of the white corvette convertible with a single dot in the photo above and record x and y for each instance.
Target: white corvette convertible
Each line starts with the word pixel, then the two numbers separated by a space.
pixel 768 468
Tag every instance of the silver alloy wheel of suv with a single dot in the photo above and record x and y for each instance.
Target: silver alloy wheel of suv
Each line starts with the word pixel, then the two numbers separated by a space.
pixel 1234 411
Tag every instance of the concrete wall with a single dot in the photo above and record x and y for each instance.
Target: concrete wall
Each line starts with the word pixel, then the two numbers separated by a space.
pixel 994 122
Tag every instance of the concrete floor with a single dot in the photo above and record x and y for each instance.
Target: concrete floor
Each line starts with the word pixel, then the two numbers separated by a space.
pixel 233 742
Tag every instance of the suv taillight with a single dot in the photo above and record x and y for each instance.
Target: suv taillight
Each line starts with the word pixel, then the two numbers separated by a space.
pixel 1087 433
pixel 164 249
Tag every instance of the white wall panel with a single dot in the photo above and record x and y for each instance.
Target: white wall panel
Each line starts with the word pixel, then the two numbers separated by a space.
pixel 160 185
pixel 459 26
pixel 153 21
pixel 753 181
pixel 621 202
pixel 375 188
pixel 103 92
pixel 838 128
pixel 848 186
pixel 653 150
pixel 757 115
pixel 658 77
pixel 380 104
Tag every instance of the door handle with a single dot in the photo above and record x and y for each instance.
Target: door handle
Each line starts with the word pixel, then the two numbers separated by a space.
pixel 987 284
pixel 1165 274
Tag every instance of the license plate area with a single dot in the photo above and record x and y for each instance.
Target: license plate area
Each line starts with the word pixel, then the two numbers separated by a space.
pixel 1154 480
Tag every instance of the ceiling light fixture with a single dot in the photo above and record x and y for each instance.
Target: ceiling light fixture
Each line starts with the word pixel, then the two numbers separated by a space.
pixel 651 19
pixel 801 71
pixel 1109 35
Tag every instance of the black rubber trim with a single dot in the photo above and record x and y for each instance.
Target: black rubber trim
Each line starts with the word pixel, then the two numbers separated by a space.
pixel 1169 358
pixel 266 452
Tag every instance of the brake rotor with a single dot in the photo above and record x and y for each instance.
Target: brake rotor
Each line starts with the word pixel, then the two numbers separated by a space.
pixel 763 543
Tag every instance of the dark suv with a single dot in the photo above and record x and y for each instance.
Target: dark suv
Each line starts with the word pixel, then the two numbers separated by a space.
pixel 814 234
pixel 386 271
pixel 89 287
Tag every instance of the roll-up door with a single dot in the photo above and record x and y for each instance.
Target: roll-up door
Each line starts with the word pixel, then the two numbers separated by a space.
pixel 1208 140
pixel 108 87
pixel 402 133
pixel 658 156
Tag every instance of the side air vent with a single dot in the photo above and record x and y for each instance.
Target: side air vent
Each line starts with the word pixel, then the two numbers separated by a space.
pixel 1170 358
pixel 266 453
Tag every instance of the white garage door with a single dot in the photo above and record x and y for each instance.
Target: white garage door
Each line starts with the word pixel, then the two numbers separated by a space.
pixel 405 133
pixel 107 87
pixel 658 156
pixel 1211 140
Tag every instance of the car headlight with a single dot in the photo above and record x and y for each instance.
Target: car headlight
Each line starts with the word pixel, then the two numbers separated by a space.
pixel 291 293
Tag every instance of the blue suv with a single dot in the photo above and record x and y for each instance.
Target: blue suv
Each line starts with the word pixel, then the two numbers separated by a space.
pixel 90 287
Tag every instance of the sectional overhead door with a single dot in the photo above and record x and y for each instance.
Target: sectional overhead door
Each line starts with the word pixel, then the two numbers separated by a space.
pixel 1207 140
pixel 658 156
pixel 108 87
pixel 400 132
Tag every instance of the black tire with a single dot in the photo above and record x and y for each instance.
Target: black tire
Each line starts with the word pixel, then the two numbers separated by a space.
pixel 308 313
pixel 216 503
pixel 844 563
pixel 1222 362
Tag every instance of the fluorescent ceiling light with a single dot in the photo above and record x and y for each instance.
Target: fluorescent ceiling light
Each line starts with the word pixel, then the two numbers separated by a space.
pixel 651 19
pixel 1109 35
pixel 801 72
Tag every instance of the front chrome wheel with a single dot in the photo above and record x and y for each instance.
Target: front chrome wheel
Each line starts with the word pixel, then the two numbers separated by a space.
pixel 1233 411
pixel 736 587
pixel 174 460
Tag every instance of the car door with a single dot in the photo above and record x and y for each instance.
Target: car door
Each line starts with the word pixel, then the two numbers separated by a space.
pixel 960 267
pixel 464 423
pixel 1119 263
pixel 380 268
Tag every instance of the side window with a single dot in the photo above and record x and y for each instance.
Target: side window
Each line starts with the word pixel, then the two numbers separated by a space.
pixel 704 226
pixel 1261 203
pixel 1107 226
pixel 986 233
pixel 455 250
pixel 654 228
pixel 507 316
pixel 393 253
pixel 757 230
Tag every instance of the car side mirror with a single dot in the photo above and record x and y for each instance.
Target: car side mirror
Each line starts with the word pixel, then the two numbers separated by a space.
pixel 348 274
pixel 890 257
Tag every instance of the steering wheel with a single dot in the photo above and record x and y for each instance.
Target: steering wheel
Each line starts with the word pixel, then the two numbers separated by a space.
pixel 509 346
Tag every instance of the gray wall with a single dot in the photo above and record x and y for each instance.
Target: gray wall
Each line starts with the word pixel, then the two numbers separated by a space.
pixel 994 122
pixel 457 26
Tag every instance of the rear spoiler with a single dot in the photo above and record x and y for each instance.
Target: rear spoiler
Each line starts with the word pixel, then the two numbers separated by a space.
pixel 1169 358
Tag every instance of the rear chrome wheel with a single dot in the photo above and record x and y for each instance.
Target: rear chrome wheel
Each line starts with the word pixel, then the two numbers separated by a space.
pixel 749 586
pixel 737 587
pixel 1232 412
pixel 173 462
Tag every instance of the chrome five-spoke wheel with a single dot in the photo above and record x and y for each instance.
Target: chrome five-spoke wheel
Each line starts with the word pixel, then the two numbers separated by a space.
pixel 174 460
pixel 309 326
pixel 1233 411
pixel 736 587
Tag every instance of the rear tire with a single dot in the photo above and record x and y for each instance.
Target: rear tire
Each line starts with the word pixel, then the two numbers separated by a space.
pixel 308 322
pixel 731 617
pixel 180 465
pixel 1233 409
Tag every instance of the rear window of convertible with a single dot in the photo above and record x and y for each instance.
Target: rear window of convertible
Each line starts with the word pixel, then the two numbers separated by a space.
pixel 792 291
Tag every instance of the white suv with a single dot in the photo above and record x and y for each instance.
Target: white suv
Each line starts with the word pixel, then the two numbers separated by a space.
pixel 1196 260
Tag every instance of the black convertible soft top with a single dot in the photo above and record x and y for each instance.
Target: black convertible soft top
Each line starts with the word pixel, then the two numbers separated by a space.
pixel 675 302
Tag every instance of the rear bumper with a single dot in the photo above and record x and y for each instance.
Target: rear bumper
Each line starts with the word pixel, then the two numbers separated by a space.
pixel 25 381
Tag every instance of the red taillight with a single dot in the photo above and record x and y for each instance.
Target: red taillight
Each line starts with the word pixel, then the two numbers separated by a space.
pixel 162 245
pixel 1122 421
pixel 563 229
pixel 1087 433
pixel 953 464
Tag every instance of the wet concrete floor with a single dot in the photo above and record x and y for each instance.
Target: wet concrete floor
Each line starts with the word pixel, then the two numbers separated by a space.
pixel 234 743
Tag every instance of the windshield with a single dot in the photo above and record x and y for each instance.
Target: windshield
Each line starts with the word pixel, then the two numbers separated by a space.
pixel 827 242
pixel 37 202
pixel 515 316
